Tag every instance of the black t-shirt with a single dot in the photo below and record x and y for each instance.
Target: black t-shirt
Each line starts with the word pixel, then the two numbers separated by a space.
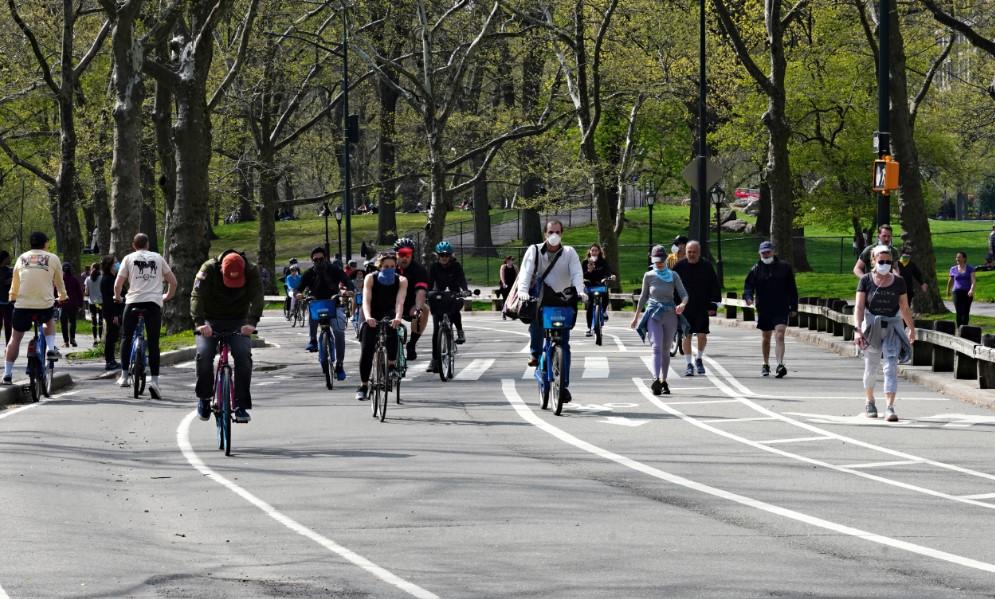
pixel 701 283
pixel 324 280
pixel 882 301
pixel 384 298
pixel 417 278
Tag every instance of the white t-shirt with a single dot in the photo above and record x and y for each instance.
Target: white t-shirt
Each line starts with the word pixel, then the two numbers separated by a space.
pixel 144 271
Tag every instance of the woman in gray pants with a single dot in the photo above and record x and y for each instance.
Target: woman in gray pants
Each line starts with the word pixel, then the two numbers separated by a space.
pixel 661 287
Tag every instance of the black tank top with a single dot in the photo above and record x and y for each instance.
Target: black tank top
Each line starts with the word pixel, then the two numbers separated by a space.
pixel 384 298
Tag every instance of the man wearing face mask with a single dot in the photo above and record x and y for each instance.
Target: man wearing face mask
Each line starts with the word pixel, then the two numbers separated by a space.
pixel 324 279
pixel 865 264
pixel 771 284
pixel 566 276
pixel 703 289
pixel 677 251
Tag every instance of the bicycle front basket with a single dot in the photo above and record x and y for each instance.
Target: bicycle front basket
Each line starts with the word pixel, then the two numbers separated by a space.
pixel 321 309
pixel 557 317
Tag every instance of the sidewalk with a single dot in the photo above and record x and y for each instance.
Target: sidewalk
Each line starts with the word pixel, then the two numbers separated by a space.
pixel 978 308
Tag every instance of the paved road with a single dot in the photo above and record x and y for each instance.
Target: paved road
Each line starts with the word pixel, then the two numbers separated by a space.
pixel 734 486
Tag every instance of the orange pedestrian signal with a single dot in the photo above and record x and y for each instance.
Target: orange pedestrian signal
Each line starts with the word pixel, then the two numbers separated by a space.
pixel 885 175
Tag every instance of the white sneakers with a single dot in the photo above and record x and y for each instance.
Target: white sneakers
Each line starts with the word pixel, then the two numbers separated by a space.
pixel 124 380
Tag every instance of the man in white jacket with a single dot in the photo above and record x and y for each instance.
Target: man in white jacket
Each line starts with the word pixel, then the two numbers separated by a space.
pixel 565 275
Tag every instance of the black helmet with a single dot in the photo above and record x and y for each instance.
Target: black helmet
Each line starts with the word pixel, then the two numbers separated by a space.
pixel 404 242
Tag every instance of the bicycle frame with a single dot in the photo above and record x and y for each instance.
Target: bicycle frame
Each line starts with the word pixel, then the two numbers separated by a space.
pixel 555 320
pixel 138 335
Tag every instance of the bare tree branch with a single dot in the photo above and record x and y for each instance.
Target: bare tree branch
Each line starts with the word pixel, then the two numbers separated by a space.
pixel 623 167
pixel 596 66
pixel 740 46
pixel 794 13
pixel 928 81
pixel 46 70
pixel 48 179
pixel 243 45
pixel 977 40
pixel 95 47
pixel 321 114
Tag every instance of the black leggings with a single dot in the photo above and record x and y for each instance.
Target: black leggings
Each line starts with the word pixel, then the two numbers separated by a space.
pixel 68 321
pixel 153 322
pixel 110 342
pixel 6 316
pixel 962 304
pixel 368 343
pixel 97 321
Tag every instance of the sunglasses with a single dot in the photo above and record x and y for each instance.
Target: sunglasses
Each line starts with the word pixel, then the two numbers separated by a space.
pixel 889 262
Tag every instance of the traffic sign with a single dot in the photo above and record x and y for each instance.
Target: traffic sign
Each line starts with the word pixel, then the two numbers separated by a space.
pixel 713 172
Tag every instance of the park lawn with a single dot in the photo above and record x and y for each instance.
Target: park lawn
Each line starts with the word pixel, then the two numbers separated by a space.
pixel 166 343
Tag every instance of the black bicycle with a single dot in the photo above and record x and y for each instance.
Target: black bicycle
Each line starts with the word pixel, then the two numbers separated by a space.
pixel 385 377
pixel 446 302
pixel 41 368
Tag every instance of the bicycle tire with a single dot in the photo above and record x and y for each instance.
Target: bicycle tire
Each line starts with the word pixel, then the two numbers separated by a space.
pixel 445 351
pixel 216 408
pixel 374 386
pixel 226 401
pixel 385 384
pixel 556 384
pixel 543 383
pixel 451 361
pixel 677 344
pixel 597 325
pixel 33 385
pixel 49 381
pixel 397 387
pixel 328 363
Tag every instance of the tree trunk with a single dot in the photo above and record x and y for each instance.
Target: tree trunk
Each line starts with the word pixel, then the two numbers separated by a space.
pixel 764 216
pixel 482 240
pixel 129 95
pixel 912 207
pixel 386 165
pixel 269 179
pixel 778 177
pixel 66 219
pixel 162 116
pixel 99 204
pixel 146 223
pixel 246 190
pixel 437 206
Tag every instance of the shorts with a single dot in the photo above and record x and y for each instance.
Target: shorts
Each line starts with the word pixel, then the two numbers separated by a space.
pixel 21 322
pixel 768 321
pixel 697 322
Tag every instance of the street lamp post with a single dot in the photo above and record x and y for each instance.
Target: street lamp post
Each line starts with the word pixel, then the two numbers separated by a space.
pixel 718 198
pixel 338 221
pixel 324 212
pixel 650 200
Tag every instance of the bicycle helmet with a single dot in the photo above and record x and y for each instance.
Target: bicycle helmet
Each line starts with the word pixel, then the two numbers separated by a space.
pixel 404 242
pixel 444 247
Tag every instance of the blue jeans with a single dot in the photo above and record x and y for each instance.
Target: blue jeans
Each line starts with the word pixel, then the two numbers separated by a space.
pixel 538 337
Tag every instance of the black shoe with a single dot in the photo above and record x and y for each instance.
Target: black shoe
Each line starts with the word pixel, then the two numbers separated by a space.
pixel 533 362
pixel 460 338
pixel 781 371
pixel 361 394
pixel 433 366
pixel 242 416
pixel 112 366
pixel 204 409
pixel 73 343
pixel 8 380
pixel 657 387
pixel 665 388
pixel 565 396
pixel 765 370
pixel 412 354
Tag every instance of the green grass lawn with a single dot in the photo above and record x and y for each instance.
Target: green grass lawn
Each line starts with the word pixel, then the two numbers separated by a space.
pixel 166 343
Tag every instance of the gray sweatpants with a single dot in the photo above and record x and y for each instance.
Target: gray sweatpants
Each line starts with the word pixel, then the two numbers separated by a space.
pixel 661 335
pixel 872 364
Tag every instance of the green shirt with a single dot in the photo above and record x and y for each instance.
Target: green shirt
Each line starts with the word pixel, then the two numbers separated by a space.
pixel 211 299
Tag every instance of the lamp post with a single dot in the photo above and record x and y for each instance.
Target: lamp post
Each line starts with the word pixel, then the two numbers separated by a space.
pixel 650 200
pixel 338 221
pixel 324 212
pixel 718 198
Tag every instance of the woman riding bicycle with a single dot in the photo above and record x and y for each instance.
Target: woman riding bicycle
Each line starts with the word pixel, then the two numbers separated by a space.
pixel 384 292
pixel 291 282
pixel 596 270
pixel 445 275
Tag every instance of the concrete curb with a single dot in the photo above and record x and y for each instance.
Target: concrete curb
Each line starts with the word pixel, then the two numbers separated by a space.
pixel 18 393
pixel 964 390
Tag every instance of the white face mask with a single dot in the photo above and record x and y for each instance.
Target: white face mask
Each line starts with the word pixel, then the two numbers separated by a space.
pixel 883 269
pixel 769 260
pixel 554 239
pixel 674 249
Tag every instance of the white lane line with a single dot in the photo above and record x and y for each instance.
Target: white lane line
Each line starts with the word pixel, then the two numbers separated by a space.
pixel 885 465
pixel 527 349
pixel 979 496
pixel 519 333
pixel 511 394
pixel 595 367
pixel 787 454
pixel 3 594
pixel 814 429
pixel 701 402
pixel 12 411
pixel 183 441
pixel 648 361
pixel 618 342
pixel 474 370
pixel 725 420
pixel 794 440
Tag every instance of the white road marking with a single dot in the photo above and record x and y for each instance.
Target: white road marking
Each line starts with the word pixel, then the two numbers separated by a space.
pixel 511 394
pixel 474 370
pixel 979 496
pixel 623 421
pixel 595 367
pixel 725 420
pixel 618 342
pixel 648 361
pixel 529 373
pixel 3 594
pixel 183 441
pixel 884 465
pixel 794 440
pixel 18 410
pixel 527 349
pixel 700 402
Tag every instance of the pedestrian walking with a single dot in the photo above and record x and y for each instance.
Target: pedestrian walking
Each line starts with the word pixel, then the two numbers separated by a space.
pixel 6 306
pixel 960 287
pixel 660 312
pixel 911 274
pixel 678 251
pixel 110 310
pixel 864 263
pixel 703 290
pixel 770 284
pixel 70 310
pixel 94 300
pixel 991 245
pixel 506 278
pixel 883 329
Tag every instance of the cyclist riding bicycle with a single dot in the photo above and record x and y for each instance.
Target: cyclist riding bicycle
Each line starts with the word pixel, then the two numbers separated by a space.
pixel 290 283
pixel 323 280
pixel 145 272
pixel 227 297
pixel 446 275
pixel 414 302
pixel 384 292
pixel 37 273
pixel 596 270
pixel 563 272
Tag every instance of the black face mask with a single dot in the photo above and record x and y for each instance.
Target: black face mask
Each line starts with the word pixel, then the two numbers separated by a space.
pixel 318 261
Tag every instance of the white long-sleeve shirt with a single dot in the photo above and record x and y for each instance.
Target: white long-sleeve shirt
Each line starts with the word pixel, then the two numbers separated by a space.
pixel 567 271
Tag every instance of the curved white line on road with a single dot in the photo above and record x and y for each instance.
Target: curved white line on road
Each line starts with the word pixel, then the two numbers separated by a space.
pixel 3 594
pixel 11 412
pixel 511 394
pixel 764 446
pixel 183 441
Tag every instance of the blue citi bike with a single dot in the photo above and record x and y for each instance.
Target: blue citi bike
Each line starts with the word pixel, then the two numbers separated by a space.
pixel 138 363
pixel 41 368
pixel 323 311
pixel 598 294
pixel 550 371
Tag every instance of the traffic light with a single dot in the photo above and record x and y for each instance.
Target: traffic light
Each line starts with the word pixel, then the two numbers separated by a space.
pixel 885 175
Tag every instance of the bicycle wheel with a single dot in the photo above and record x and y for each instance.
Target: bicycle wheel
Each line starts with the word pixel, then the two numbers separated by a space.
pixel 543 381
pixel 286 309
pixel 385 383
pixel 326 352
pixel 33 383
pixel 445 352
pixel 49 380
pixel 374 387
pixel 677 345
pixel 596 321
pixel 397 387
pixel 138 370
pixel 226 401
pixel 556 384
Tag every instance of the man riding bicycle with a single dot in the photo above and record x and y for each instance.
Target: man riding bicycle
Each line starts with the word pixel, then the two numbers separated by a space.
pixel 563 277
pixel 324 280
pixel 414 302
pixel 227 297
pixel 36 274
pixel 384 292
pixel 145 272
pixel 446 275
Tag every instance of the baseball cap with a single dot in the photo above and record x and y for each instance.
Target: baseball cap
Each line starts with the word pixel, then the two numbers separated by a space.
pixel 658 252
pixel 766 246
pixel 233 270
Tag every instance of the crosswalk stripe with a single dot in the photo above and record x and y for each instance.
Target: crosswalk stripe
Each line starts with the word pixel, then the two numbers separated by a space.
pixel 474 370
pixel 595 367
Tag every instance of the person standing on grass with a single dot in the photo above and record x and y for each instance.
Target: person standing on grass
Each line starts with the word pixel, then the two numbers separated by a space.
pixel 883 328
pixel 991 245
pixel 771 285
pixel 661 287
pixel 703 288
pixel 960 286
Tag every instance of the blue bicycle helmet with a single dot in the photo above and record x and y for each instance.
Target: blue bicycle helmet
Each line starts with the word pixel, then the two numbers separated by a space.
pixel 444 247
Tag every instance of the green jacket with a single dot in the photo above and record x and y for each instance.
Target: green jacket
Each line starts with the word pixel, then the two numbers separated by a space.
pixel 212 300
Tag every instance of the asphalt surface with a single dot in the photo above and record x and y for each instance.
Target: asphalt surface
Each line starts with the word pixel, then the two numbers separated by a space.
pixel 733 486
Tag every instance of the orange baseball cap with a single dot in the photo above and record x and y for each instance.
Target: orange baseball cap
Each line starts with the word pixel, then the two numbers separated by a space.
pixel 233 270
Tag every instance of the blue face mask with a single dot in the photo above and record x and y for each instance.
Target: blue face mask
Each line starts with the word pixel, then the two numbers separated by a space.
pixel 387 276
